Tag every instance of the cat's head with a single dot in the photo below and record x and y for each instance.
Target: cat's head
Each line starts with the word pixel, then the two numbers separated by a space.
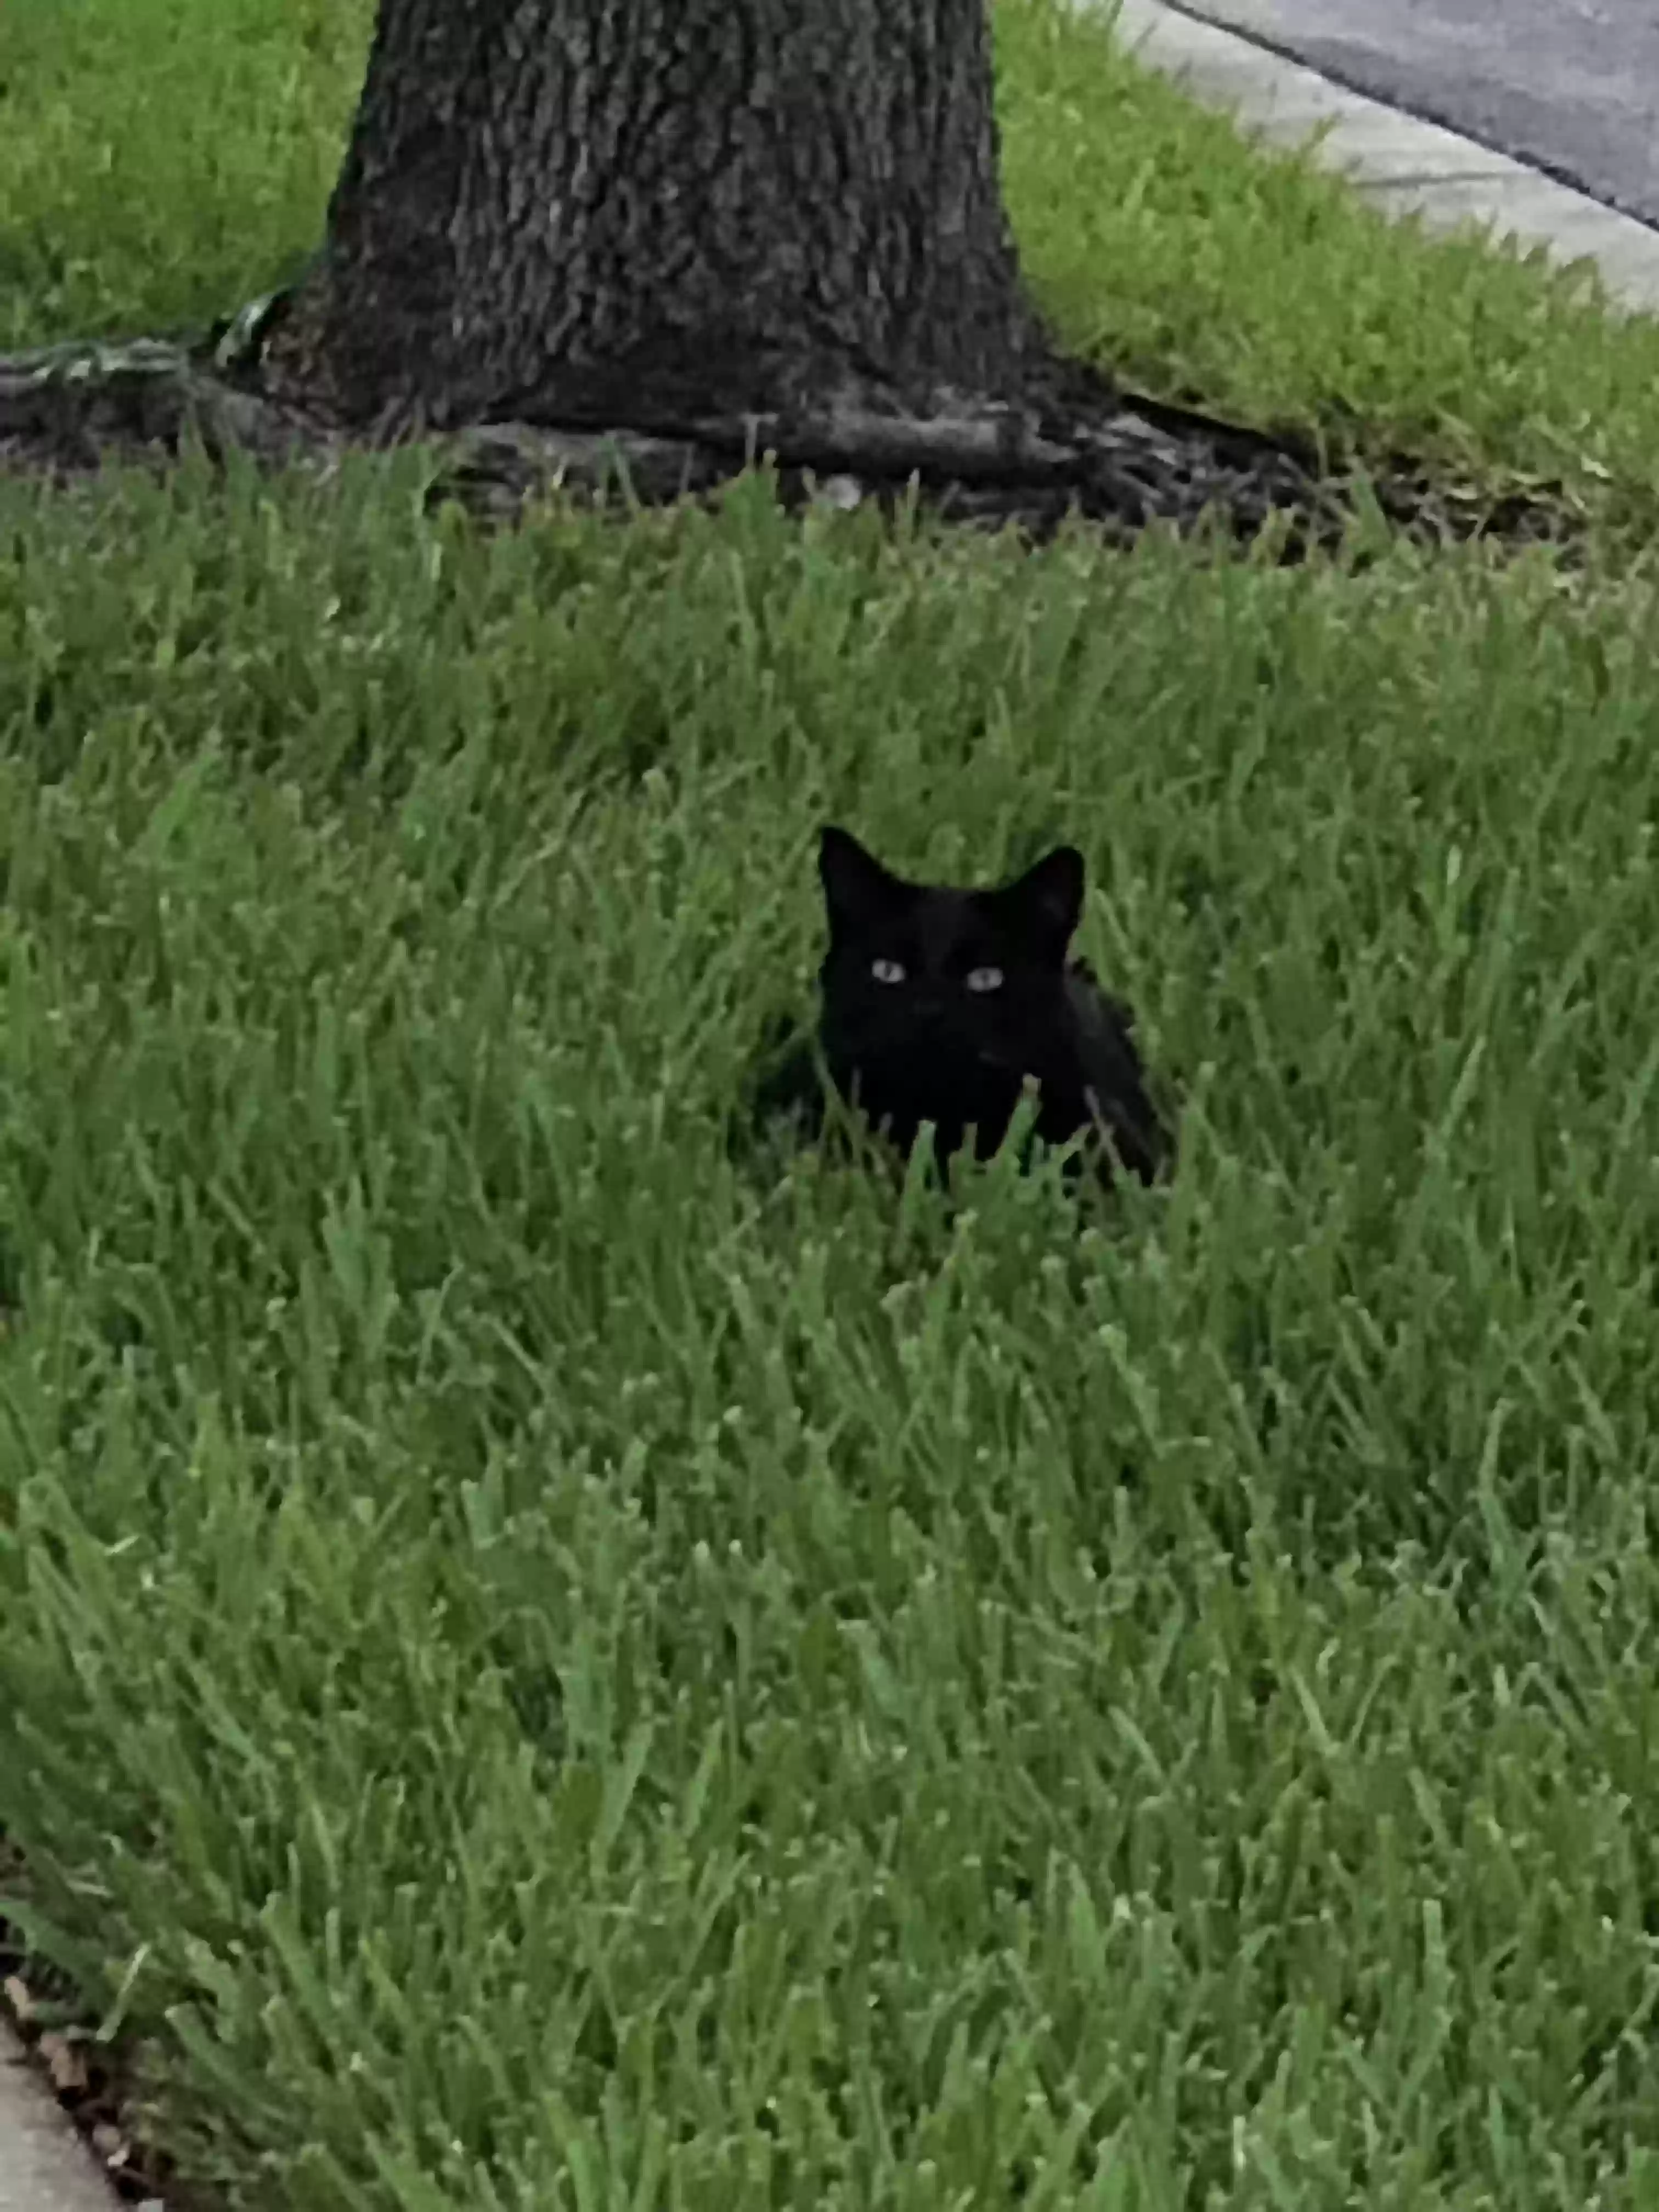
pixel 972 977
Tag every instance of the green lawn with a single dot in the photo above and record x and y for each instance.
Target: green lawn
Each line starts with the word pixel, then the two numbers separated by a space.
pixel 548 1663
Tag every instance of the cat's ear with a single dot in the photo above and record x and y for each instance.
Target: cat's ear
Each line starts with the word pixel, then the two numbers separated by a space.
pixel 856 886
pixel 1048 897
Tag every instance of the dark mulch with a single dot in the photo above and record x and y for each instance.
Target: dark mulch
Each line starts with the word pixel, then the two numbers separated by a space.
pixel 1081 448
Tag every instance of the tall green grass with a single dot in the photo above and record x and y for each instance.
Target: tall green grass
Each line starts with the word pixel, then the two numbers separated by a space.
pixel 162 160
pixel 1197 262
pixel 550 1657
pixel 551 1654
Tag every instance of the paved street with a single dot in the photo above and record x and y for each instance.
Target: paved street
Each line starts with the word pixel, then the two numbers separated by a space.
pixel 1571 86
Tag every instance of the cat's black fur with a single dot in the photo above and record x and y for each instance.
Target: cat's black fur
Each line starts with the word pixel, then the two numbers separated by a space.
pixel 923 1045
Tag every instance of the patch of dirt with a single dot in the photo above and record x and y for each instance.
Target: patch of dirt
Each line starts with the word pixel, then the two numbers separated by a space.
pixel 1079 449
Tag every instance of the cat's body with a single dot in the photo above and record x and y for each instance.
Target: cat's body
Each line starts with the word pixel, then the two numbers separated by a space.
pixel 937 1003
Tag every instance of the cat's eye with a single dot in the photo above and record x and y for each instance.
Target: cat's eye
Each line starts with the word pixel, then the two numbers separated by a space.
pixel 985 979
pixel 887 971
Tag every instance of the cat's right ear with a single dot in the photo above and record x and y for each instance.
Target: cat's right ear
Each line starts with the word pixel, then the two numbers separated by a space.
pixel 856 884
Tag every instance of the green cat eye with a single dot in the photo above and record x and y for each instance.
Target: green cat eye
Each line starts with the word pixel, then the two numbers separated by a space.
pixel 985 979
pixel 887 971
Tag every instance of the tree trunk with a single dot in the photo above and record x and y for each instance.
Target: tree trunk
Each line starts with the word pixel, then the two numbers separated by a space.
pixel 654 212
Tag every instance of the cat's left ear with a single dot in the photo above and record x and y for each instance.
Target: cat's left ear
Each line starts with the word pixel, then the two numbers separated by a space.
pixel 1050 896
pixel 856 886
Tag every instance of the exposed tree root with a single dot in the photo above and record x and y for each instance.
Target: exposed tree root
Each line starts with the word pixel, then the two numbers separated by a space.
pixel 1080 448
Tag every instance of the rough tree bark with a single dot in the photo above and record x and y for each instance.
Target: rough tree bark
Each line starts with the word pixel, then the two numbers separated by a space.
pixel 654 211
pixel 681 232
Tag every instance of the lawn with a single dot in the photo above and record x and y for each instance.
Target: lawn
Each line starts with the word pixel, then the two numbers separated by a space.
pixel 550 1658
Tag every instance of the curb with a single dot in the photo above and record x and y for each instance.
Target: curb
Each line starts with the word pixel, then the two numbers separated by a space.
pixel 1398 163
pixel 44 2166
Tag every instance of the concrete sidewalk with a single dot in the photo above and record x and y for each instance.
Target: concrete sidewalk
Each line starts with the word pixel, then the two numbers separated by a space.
pixel 44 2165
pixel 1569 87
pixel 1398 163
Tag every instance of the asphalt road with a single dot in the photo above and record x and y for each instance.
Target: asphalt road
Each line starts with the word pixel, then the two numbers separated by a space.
pixel 1569 86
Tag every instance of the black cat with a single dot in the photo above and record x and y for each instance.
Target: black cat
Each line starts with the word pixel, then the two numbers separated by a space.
pixel 937 1002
